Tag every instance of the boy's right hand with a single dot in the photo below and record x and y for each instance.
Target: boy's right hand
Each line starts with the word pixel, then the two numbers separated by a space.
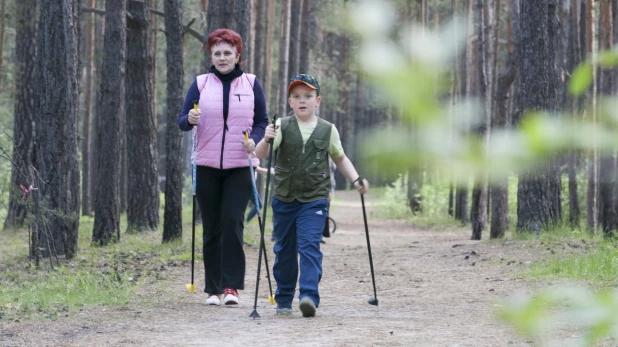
pixel 194 116
pixel 271 132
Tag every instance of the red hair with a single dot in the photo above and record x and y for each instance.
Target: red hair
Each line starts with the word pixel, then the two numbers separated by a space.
pixel 228 36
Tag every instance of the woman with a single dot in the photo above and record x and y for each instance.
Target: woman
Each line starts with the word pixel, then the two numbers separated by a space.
pixel 229 102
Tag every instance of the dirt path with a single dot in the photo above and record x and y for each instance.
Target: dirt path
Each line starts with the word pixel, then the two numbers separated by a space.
pixel 435 289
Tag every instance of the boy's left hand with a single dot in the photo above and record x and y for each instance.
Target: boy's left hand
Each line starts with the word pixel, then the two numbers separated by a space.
pixel 362 188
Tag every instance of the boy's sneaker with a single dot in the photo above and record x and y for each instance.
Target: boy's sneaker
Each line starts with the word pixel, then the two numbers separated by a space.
pixel 307 307
pixel 213 299
pixel 284 310
pixel 230 296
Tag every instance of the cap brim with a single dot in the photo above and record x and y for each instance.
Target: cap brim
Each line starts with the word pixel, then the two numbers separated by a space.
pixel 297 82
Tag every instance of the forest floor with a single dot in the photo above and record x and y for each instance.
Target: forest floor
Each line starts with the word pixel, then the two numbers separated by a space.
pixel 435 288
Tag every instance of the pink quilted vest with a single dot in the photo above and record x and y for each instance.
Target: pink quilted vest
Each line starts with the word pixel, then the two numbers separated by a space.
pixel 215 147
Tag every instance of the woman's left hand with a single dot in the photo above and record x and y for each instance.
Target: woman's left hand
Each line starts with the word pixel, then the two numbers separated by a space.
pixel 249 145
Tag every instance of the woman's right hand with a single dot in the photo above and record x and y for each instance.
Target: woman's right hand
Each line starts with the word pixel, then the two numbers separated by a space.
pixel 271 132
pixel 194 116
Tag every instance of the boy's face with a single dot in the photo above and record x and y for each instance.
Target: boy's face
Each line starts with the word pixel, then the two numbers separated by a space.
pixel 304 100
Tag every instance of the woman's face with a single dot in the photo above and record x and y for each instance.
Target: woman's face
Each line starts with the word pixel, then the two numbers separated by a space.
pixel 224 57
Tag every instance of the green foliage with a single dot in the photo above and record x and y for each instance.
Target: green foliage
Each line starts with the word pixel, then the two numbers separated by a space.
pixel 393 202
pixel 581 79
pixel 572 308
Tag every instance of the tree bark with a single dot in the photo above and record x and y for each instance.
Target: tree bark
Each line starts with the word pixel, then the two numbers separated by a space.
pixel 259 49
pixel 462 191
pixel 607 168
pixel 295 36
pixel 233 15
pixel 268 63
pixel 593 174
pixel 56 103
pixel 24 121
pixel 479 84
pixel 172 218
pixel 87 123
pixel 536 204
pixel 107 198
pixel 143 192
pixel 284 53
pixel 499 190
pixel 305 44
pixel 574 57
pixel 2 29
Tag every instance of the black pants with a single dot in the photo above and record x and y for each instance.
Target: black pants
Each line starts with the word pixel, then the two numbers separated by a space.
pixel 223 196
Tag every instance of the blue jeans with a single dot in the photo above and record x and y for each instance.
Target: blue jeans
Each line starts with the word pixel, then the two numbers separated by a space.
pixel 298 228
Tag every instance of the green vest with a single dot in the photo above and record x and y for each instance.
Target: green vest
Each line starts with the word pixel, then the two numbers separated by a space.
pixel 302 171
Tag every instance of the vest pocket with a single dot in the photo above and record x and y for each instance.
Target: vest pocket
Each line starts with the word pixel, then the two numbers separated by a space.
pixel 240 96
pixel 321 148
pixel 283 178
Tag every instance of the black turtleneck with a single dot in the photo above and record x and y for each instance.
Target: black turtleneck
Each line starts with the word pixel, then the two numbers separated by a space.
pixel 227 82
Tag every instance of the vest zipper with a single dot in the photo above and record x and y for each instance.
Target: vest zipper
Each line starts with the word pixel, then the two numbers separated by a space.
pixel 223 144
pixel 303 148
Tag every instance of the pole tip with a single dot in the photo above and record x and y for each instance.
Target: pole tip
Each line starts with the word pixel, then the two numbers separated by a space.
pixel 190 287
pixel 373 301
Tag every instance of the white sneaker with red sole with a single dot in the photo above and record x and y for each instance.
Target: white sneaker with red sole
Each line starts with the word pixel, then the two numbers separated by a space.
pixel 230 296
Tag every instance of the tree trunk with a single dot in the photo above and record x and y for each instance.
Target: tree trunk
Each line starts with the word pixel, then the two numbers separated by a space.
pixel 607 169
pixel 536 190
pixel 268 62
pixel 242 24
pixel 99 31
pixel 499 191
pixel 2 29
pixel 259 50
pixel 593 175
pixel 284 52
pixel 305 44
pixel 143 192
pixel 107 198
pixel 23 119
pixel 462 191
pixel 233 15
pixel 154 39
pixel 574 57
pixel 172 218
pixel 56 103
pixel 295 37
pixel 88 104
pixel 479 84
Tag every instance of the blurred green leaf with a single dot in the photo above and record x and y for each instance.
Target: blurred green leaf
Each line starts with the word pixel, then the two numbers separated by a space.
pixel 581 79
pixel 607 59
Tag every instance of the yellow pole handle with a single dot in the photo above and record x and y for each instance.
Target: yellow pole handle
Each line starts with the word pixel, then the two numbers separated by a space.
pixel 246 135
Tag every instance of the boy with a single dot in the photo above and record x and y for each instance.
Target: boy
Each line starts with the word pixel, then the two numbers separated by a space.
pixel 302 184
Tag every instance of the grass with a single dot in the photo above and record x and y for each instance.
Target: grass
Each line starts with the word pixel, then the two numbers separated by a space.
pixel 577 256
pixel 597 266
pixel 114 275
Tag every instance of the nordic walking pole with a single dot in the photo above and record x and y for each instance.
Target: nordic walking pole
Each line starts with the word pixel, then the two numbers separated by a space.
pixel 271 298
pixel 258 206
pixel 374 300
pixel 254 314
pixel 191 286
